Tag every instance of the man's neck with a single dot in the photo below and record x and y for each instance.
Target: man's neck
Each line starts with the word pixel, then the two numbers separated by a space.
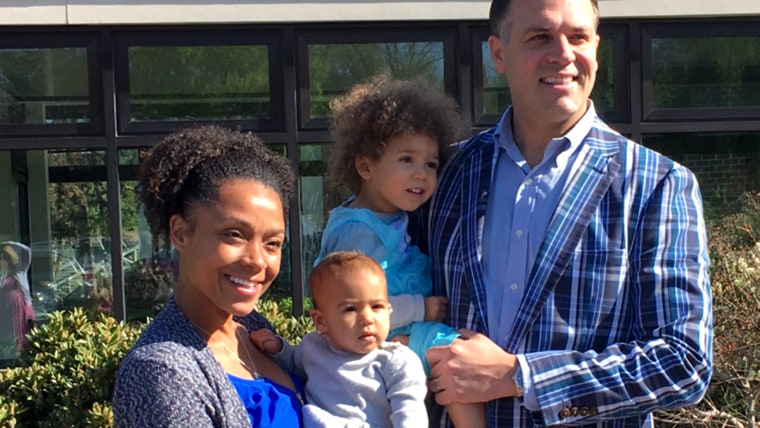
pixel 532 136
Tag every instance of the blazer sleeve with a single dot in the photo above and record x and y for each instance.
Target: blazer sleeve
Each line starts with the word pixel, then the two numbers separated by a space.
pixel 663 358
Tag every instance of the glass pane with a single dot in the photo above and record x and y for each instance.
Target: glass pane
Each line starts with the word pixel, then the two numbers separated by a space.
pixel 334 68
pixel 148 269
pixel 56 206
pixel 318 197
pixel 725 164
pixel 44 86
pixel 706 72
pixel 603 94
pixel 187 83
pixel 496 95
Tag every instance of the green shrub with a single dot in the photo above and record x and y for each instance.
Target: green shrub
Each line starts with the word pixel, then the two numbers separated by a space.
pixel 733 398
pixel 67 378
pixel 279 314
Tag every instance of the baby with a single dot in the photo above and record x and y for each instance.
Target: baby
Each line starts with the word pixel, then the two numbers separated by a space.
pixel 354 377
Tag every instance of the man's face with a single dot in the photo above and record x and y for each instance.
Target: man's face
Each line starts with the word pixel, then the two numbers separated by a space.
pixel 549 59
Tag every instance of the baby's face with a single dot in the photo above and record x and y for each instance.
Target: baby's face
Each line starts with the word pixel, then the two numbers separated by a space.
pixel 354 312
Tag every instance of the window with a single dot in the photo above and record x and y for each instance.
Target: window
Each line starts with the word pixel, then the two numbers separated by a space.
pixel 46 86
pixel 333 63
pixel 705 71
pixel 169 81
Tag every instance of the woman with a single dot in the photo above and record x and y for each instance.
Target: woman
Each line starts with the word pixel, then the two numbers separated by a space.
pixel 220 198
pixel 16 311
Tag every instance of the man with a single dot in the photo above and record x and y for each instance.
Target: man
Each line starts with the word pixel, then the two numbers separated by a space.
pixel 578 257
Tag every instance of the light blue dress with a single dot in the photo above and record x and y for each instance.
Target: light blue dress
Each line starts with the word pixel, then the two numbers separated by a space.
pixel 407 270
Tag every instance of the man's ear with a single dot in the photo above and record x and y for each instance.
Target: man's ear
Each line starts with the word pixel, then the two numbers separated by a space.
pixel 319 320
pixel 497 54
pixel 363 167
pixel 179 231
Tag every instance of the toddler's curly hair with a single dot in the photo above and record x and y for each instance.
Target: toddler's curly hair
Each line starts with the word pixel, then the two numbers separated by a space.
pixel 373 113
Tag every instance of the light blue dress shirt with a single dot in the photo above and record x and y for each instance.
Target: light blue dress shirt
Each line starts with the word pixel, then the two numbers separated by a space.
pixel 520 206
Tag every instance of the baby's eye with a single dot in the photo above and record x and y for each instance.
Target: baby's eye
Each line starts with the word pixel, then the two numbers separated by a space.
pixel 349 309
pixel 406 159
pixel 432 165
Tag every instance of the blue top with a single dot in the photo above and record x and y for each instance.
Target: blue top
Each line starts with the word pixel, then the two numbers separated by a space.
pixel 382 237
pixel 268 403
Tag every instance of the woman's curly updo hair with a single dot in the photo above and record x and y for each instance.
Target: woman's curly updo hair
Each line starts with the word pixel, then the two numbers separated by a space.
pixel 187 168
pixel 373 113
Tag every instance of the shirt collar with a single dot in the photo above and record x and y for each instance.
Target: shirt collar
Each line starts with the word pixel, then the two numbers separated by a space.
pixel 504 136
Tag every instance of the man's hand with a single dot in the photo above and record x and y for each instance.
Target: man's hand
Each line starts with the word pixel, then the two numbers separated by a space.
pixel 266 340
pixel 473 369
pixel 436 308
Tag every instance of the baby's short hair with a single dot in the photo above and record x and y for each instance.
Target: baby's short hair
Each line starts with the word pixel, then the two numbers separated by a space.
pixel 334 265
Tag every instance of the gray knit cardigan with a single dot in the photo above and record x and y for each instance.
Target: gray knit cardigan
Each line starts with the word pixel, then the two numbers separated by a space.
pixel 170 378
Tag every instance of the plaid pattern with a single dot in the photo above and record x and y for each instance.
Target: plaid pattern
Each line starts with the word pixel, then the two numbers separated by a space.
pixel 618 317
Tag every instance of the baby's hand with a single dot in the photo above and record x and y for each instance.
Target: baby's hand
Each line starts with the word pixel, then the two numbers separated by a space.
pixel 400 338
pixel 436 308
pixel 266 340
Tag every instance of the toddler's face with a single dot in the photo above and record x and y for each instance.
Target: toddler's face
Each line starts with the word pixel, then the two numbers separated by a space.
pixel 354 311
pixel 405 175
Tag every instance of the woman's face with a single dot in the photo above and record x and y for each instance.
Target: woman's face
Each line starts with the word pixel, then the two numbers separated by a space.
pixel 230 249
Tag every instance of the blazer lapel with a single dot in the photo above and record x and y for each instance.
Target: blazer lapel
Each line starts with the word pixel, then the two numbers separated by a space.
pixel 584 192
pixel 475 184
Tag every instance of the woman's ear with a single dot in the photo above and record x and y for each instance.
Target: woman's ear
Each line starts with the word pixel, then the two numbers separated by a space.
pixel 319 320
pixel 363 167
pixel 179 230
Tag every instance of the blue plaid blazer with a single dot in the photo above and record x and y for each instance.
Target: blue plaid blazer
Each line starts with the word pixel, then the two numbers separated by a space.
pixel 616 320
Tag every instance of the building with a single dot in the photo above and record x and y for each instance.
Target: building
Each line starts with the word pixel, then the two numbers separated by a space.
pixel 85 85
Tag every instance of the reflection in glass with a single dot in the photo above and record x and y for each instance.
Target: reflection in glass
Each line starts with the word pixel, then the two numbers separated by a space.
pixel 496 94
pixel 334 68
pixel 318 197
pixel 57 207
pixel 44 86
pixel 16 309
pixel 78 245
pixel 148 266
pixel 186 83
pixel 706 72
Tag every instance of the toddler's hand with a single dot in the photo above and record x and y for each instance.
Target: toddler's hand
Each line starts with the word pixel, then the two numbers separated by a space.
pixel 436 308
pixel 266 340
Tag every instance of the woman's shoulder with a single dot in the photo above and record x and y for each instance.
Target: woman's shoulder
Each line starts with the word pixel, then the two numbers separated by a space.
pixel 169 340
